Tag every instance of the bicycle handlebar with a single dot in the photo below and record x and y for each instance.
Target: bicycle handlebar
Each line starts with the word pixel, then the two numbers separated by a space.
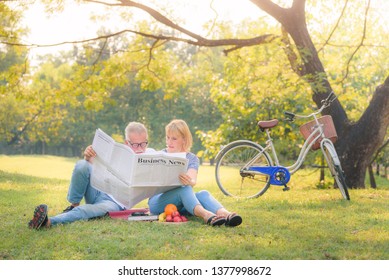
pixel 325 103
pixel 289 116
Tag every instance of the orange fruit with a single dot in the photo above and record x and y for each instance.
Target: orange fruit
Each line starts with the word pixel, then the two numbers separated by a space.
pixel 170 208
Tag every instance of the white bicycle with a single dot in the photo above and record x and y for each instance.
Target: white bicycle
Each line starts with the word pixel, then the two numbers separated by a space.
pixel 246 169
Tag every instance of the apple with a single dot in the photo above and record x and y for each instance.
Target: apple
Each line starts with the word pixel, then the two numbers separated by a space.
pixel 177 219
pixel 184 219
pixel 176 214
pixel 169 218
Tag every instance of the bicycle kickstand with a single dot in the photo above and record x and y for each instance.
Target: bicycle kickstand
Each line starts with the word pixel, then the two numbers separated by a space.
pixel 286 188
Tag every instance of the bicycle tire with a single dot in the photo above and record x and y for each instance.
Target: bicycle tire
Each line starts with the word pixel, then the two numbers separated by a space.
pixel 336 169
pixel 229 163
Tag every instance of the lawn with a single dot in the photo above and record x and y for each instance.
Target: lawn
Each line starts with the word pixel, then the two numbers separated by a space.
pixel 306 223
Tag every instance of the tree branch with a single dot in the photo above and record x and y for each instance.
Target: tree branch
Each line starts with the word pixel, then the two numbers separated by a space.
pixel 203 42
pixel 379 151
pixel 198 40
pixel 290 53
pixel 360 44
pixel 272 9
pixel 195 39
pixel 155 14
pixel 101 51
pixel 19 132
pixel 335 27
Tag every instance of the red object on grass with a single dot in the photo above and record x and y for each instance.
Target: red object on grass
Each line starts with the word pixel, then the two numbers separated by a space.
pixel 125 213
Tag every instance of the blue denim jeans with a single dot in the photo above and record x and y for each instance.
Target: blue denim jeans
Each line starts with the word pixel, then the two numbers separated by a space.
pixel 97 203
pixel 185 199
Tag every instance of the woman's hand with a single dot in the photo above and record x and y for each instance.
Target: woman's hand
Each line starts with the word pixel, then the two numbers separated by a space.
pixel 89 153
pixel 187 180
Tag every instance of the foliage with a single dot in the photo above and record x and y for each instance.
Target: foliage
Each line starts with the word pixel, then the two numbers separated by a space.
pixel 108 82
pixel 264 80
pixel 12 67
pixel 256 85
pixel 69 96
pixel 12 56
pixel 354 81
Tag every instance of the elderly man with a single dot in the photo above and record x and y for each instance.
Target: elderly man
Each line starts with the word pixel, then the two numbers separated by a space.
pixel 97 203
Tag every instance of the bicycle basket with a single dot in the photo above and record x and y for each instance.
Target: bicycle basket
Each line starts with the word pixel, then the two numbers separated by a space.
pixel 328 126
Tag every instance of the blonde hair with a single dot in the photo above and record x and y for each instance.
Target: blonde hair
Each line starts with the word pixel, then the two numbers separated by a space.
pixel 135 127
pixel 181 128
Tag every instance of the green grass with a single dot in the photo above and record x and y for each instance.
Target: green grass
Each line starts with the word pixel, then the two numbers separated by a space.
pixel 304 223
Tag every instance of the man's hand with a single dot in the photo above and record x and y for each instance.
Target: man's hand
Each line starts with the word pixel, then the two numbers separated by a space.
pixel 89 153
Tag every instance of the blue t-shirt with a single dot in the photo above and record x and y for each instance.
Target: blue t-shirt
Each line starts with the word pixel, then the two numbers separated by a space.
pixel 193 160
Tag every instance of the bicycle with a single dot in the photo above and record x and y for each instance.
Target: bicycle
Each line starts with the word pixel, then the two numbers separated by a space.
pixel 242 164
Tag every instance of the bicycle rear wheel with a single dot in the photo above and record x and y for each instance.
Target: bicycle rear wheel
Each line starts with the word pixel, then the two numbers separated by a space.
pixel 230 173
pixel 336 170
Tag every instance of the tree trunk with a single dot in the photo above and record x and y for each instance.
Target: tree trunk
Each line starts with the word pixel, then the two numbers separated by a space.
pixel 357 142
pixel 322 171
pixel 371 176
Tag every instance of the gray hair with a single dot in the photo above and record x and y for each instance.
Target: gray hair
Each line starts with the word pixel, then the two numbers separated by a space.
pixel 135 127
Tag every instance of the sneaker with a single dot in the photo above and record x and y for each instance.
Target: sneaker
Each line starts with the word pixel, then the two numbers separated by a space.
pixel 40 217
pixel 69 208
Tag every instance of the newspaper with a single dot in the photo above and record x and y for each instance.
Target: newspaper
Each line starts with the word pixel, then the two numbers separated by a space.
pixel 129 177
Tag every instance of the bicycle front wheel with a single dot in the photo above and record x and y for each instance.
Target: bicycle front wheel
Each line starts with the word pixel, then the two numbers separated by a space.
pixel 230 173
pixel 336 169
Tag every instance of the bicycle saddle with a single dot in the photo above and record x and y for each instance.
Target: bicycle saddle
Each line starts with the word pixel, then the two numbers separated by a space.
pixel 267 124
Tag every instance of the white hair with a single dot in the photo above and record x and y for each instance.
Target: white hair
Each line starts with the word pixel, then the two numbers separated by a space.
pixel 135 127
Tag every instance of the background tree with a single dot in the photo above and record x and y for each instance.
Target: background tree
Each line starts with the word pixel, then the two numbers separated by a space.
pixel 13 66
pixel 77 91
pixel 361 132
pixel 357 140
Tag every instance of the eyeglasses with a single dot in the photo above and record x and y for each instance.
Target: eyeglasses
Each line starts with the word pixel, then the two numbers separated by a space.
pixel 137 145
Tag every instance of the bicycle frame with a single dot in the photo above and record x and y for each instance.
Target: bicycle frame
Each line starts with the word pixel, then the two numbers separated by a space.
pixel 280 175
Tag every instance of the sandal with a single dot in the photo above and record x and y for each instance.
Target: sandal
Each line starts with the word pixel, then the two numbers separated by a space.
pixel 40 217
pixel 216 221
pixel 233 220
